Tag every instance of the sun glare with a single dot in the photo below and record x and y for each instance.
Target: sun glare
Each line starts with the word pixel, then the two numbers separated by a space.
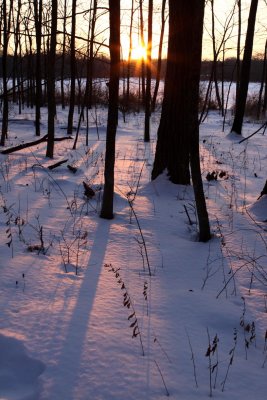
pixel 139 52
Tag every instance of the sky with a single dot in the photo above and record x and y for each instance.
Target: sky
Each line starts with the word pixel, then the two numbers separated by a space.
pixel 222 11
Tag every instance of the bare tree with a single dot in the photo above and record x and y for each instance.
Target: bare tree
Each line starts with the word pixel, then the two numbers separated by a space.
pixel 72 69
pixel 148 73
pixel 177 144
pixel 51 81
pixel 6 17
pixel 38 8
pixel 245 70
pixel 158 73
pixel 114 43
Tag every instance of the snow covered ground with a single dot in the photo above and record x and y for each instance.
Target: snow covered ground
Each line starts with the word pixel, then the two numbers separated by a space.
pixel 81 318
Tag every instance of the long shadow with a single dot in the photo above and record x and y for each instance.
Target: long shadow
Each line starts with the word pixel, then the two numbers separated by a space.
pixel 66 372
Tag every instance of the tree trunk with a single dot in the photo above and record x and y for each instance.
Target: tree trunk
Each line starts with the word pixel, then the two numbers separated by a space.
pixel 195 53
pixel 143 45
pixel 238 50
pixel 38 8
pixel 6 32
pixel 178 134
pixel 72 69
pixel 62 69
pixel 114 18
pixel 51 82
pixel 148 73
pixel 163 20
pixel 172 150
pixel 245 70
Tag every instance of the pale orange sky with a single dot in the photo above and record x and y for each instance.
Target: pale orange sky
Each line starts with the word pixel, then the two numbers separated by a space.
pixel 222 11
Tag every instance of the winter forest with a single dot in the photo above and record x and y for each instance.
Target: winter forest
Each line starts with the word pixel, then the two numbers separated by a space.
pixel 133 199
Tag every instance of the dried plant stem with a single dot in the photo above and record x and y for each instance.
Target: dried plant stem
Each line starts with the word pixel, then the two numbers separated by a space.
pixel 163 380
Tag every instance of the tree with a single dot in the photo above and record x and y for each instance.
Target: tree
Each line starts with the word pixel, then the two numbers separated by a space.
pixel 6 16
pixel 38 8
pixel 158 73
pixel 51 82
pixel 72 68
pixel 178 133
pixel 114 45
pixel 148 73
pixel 245 70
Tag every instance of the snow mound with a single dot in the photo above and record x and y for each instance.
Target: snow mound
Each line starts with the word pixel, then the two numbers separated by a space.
pixel 18 372
pixel 259 209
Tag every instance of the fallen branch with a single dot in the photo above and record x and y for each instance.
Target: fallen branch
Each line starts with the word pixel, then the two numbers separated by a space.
pixel 57 164
pixel 254 133
pixel 30 144
pixel 24 145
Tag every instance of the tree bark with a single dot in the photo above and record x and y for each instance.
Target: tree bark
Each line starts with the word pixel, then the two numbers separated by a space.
pixel 51 82
pixel 158 73
pixel 114 18
pixel 38 8
pixel 245 70
pixel 172 150
pixel 148 73
pixel 72 69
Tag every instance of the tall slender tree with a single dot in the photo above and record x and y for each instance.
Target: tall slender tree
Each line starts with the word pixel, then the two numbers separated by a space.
pixel 72 68
pixel 38 9
pixel 6 16
pixel 245 70
pixel 114 45
pixel 51 81
pixel 148 73
pixel 158 73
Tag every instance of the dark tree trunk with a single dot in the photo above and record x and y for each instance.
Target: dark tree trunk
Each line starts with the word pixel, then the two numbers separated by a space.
pixel 72 69
pixel 148 73
pixel 172 150
pixel 245 70
pixel 114 18
pixel 163 19
pixel 178 134
pixel 263 78
pixel 38 8
pixel 195 53
pixel 90 63
pixel 51 82
pixel 6 33
pixel 238 50
pixel 143 45
pixel 62 69
pixel 129 57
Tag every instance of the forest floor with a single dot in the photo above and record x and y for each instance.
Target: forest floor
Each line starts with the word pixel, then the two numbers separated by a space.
pixel 134 308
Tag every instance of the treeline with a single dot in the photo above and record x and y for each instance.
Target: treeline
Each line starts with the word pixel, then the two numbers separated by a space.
pixel 26 66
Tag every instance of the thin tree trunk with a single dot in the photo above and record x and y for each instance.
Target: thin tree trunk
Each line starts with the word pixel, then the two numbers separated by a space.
pixel 215 55
pixel 148 73
pixel 63 56
pixel 158 74
pixel 196 47
pixel 238 50
pixel 38 8
pixel 51 82
pixel 143 45
pixel 264 73
pixel 6 33
pixel 72 68
pixel 114 18
pixel 129 57
pixel 245 70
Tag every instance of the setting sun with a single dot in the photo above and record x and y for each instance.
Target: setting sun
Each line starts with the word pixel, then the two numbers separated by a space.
pixel 139 52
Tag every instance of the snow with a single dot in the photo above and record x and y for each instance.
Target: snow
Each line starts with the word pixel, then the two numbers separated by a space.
pixel 64 331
